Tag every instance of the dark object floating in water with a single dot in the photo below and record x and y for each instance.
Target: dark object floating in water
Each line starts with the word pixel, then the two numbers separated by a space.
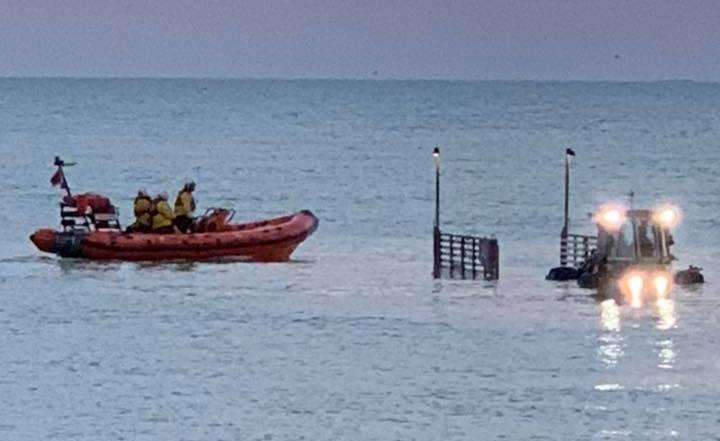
pixel 690 276
pixel 563 273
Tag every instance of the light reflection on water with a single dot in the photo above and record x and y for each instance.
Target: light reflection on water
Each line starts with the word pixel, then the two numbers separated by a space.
pixel 611 341
pixel 667 318
pixel 618 349
pixel 611 346
pixel 666 354
pixel 610 315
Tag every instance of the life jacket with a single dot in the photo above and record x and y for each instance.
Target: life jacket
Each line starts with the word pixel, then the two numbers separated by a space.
pixel 184 204
pixel 142 207
pixel 163 215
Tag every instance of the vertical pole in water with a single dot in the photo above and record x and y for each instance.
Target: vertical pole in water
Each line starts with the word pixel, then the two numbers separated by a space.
pixel 436 253
pixel 566 217
pixel 496 263
pixel 436 157
pixel 462 256
pixel 491 267
pixel 436 223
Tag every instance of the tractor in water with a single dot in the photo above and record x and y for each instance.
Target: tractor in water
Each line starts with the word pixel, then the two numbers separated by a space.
pixel 629 259
pixel 632 259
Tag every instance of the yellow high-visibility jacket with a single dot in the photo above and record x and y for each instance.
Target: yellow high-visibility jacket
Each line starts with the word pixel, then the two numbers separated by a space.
pixel 164 215
pixel 142 208
pixel 184 204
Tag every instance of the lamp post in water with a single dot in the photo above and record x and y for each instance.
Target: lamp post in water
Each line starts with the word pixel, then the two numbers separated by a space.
pixel 563 272
pixel 566 224
pixel 436 159
pixel 436 222
pixel 569 153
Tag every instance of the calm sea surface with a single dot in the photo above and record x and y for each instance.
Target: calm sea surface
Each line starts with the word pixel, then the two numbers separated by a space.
pixel 353 340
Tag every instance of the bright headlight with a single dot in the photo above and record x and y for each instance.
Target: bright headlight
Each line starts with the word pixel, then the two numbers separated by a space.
pixel 635 284
pixel 662 285
pixel 667 216
pixel 610 217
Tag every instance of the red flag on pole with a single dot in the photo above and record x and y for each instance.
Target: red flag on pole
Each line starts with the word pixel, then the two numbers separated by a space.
pixel 57 179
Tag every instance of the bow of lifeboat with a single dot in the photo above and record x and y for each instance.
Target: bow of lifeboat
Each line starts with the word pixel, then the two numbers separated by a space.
pixel 62 243
pixel 44 240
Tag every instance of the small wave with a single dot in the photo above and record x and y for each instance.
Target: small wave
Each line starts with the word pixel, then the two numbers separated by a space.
pixel 609 387
pixel 32 258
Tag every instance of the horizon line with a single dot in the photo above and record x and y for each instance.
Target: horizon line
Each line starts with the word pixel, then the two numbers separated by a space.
pixel 369 79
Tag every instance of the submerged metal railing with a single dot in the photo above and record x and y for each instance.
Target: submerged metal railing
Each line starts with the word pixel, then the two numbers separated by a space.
pixel 466 257
pixel 575 249
pixel 459 255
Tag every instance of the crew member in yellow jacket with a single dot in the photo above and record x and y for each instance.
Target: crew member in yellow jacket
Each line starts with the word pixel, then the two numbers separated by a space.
pixel 185 207
pixel 143 220
pixel 162 221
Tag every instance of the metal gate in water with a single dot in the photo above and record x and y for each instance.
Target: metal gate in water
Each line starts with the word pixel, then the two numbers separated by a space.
pixel 460 255
pixel 576 249
pixel 466 257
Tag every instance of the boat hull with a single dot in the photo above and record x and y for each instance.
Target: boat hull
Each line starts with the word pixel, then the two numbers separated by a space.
pixel 272 240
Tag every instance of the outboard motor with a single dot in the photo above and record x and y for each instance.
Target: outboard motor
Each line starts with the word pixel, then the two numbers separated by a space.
pixel 214 220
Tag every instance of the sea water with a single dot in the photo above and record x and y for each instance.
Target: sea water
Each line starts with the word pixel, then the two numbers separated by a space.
pixel 353 340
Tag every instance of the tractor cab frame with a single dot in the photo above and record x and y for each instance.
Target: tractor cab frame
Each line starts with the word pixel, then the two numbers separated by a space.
pixel 632 260
pixel 638 240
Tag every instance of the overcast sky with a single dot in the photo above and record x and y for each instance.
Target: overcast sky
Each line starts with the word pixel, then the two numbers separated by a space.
pixel 483 39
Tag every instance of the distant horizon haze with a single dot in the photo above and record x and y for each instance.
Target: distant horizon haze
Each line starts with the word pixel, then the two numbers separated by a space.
pixel 369 79
pixel 541 40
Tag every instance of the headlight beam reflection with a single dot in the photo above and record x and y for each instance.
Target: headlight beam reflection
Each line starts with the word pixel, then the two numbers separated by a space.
pixel 609 315
pixel 667 319
pixel 636 285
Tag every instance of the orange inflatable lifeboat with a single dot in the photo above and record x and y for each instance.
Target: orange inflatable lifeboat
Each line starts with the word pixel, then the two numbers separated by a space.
pixel 90 229
pixel 272 240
